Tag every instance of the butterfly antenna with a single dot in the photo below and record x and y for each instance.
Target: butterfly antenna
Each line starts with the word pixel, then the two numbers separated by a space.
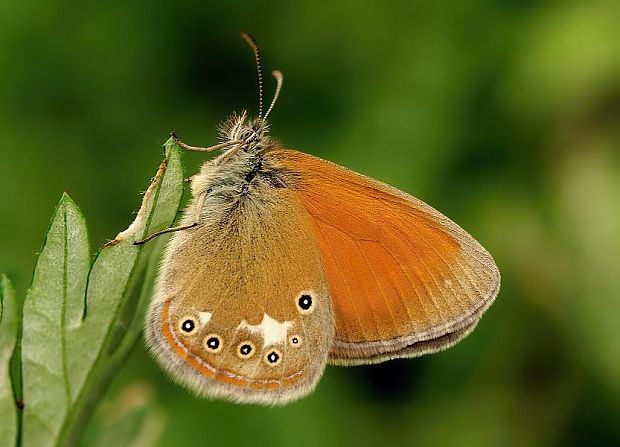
pixel 252 42
pixel 278 75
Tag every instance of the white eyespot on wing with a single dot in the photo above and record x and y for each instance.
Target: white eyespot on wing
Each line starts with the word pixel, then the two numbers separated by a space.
pixel 204 317
pixel 271 329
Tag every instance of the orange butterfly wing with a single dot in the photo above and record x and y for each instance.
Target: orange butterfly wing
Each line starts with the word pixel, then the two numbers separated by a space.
pixel 404 279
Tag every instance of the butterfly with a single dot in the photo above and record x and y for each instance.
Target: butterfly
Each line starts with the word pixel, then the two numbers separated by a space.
pixel 283 263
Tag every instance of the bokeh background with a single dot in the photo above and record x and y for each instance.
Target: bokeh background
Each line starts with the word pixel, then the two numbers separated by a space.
pixel 504 115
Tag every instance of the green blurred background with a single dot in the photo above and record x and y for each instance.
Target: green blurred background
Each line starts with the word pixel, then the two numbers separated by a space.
pixel 504 115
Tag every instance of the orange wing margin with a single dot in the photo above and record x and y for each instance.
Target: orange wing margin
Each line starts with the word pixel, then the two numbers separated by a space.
pixel 404 279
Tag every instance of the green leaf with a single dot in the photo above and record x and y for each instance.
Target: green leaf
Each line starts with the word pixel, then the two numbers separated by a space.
pixel 51 313
pixel 75 318
pixel 8 336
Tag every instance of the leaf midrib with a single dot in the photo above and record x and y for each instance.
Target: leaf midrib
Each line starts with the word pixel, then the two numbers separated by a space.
pixel 64 311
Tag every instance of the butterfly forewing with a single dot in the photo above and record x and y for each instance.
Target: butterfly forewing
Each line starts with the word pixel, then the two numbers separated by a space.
pixel 404 279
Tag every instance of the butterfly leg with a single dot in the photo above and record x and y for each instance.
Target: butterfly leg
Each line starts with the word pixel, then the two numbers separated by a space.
pixel 167 230
pixel 187 147
pixel 199 205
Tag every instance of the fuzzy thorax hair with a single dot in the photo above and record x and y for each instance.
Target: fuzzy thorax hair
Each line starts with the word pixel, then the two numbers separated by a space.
pixel 240 171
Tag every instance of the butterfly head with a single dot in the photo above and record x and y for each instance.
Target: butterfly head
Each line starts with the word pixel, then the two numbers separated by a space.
pixel 239 127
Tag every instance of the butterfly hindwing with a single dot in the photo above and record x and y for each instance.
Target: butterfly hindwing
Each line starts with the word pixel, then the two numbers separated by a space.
pixel 404 279
pixel 241 308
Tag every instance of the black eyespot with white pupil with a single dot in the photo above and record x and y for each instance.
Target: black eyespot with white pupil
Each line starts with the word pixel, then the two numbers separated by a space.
pixel 295 340
pixel 213 343
pixel 273 357
pixel 305 303
pixel 245 349
pixel 188 326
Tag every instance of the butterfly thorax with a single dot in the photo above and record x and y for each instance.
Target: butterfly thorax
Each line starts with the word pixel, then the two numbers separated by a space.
pixel 241 173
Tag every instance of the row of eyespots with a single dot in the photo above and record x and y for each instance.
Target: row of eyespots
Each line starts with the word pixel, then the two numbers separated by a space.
pixel 305 305
pixel 213 343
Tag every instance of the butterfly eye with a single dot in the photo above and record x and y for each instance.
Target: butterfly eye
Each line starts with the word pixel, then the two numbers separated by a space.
pixel 273 357
pixel 213 343
pixel 245 134
pixel 188 325
pixel 245 350
pixel 305 304
pixel 295 340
